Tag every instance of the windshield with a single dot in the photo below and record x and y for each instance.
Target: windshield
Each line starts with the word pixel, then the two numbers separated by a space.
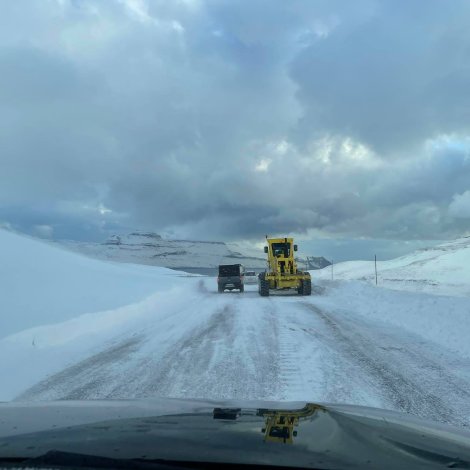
pixel 234 270
pixel 281 249
pixel 235 201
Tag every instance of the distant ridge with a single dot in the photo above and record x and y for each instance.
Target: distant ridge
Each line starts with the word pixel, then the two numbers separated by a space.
pixel 151 249
pixel 143 247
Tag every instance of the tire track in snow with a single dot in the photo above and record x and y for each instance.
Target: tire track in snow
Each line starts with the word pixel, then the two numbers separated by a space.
pixel 308 370
pixel 81 380
pixel 291 377
pixel 400 372
pixel 233 354
pixel 122 371
pixel 231 357
pixel 183 371
pixel 287 383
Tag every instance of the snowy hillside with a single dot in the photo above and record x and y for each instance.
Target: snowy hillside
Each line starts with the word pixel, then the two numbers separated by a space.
pixel 42 284
pixel 151 249
pixel 443 269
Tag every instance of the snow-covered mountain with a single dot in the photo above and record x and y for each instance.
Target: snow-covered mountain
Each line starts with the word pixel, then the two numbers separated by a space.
pixel 316 262
pixel 151 249
pixel 187 255
pixel 442 269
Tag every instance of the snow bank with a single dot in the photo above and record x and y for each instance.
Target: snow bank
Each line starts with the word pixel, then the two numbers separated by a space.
pixel 40 283
pixel 39 352
pixel 443 320
pixel 443 269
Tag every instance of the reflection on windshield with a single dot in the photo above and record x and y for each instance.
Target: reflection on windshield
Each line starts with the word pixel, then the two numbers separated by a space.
pixel 280 425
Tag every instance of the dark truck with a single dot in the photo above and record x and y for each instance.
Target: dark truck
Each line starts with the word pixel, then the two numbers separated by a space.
pixel 231 277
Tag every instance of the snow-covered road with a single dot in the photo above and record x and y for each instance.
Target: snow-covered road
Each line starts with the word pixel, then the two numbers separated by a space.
pixel 282 347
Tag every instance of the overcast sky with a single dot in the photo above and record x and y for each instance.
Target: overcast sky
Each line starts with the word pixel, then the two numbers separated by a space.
pixel 229 120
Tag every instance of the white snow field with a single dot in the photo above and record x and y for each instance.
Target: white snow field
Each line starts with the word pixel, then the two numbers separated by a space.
pixel 442 269
pixel 350 342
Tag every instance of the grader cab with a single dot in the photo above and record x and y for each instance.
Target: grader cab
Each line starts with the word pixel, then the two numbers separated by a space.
pixel 282 272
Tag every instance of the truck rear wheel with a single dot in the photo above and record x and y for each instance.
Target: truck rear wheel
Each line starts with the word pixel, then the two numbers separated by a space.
pixel 263 286
pixel 306 287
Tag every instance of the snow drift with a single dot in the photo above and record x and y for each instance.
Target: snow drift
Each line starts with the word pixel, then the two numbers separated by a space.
pixel 41 284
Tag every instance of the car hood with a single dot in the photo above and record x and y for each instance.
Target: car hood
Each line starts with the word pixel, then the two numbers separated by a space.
pixel 285 434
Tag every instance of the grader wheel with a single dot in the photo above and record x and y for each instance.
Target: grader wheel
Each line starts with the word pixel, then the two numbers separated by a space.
pixel 263 285
pixel 305 287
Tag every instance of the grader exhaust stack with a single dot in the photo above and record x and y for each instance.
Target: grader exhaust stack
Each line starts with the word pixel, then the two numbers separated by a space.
pixel 282 272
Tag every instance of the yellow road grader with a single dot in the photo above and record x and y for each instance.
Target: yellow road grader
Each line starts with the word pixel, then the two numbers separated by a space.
pixel 282 272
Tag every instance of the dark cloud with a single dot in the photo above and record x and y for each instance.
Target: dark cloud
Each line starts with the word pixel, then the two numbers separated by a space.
pixel 231 120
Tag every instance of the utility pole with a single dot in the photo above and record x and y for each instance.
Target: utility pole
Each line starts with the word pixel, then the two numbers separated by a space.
pixel 375 262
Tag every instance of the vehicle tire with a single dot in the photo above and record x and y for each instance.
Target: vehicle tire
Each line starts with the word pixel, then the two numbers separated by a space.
pixel 263 285
pixel 300 289
pixel 307 287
